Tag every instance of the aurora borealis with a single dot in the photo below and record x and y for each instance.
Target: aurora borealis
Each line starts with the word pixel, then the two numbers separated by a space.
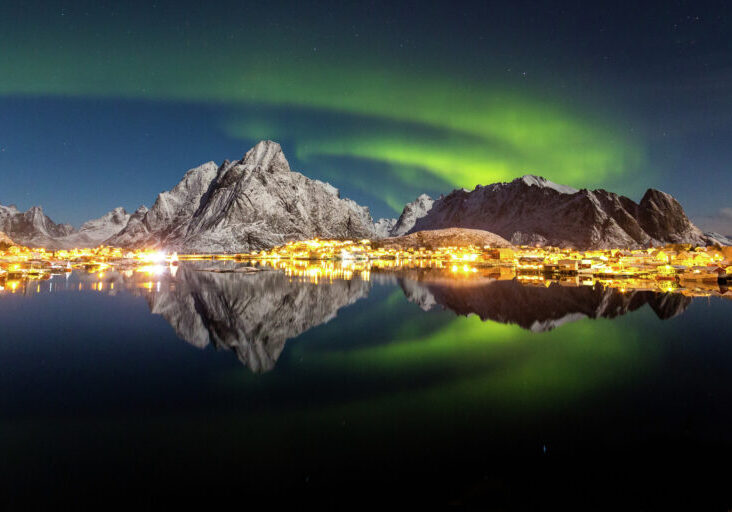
pixel 107 104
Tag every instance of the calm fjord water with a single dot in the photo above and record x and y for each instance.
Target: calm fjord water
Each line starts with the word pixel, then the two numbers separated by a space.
pixel 273 387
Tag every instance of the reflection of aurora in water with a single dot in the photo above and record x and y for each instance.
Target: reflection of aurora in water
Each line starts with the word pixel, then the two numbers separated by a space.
pixel 254 313
pixel 355 367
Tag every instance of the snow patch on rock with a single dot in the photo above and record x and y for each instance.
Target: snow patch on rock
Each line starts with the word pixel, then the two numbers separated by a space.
pixel 541 182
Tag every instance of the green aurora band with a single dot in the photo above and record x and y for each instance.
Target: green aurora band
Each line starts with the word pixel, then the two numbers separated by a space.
pixel 423 123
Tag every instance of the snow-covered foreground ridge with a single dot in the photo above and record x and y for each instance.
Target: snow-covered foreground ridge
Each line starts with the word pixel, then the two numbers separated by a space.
pixel 258 202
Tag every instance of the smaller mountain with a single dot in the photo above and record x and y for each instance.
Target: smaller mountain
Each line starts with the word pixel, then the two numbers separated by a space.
pixel 412 212
pixel 417 209
pixel 92 233
pixel 31 228
pixel 716 238
pixel 133 232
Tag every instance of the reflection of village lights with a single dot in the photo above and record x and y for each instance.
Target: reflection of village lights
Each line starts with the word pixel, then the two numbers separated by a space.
pixel 668 269
pixel 152 257
pixel 152 270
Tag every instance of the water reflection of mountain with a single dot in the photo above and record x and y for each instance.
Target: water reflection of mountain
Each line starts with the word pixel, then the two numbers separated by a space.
pixel 537 308
pixel 253 315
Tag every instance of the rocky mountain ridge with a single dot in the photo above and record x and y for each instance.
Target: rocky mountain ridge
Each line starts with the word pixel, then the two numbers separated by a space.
pixel 34 228
pixel 532 210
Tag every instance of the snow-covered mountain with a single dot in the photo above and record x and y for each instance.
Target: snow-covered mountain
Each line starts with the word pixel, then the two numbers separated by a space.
pixel 135 230
pixel 418 208
pixel 250 204
pixel 532 210
pixel 92 233
pixel 384 227
pixel 31 228
pixel 35 229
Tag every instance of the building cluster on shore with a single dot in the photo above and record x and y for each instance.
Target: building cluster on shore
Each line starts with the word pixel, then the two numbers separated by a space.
pixel 681 262
pixel 661 269
pixel 19 263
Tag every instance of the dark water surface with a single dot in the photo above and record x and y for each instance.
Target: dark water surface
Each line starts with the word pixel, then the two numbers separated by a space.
pixel 267 388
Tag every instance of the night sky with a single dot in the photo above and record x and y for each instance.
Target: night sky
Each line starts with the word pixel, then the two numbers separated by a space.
pixel 106 104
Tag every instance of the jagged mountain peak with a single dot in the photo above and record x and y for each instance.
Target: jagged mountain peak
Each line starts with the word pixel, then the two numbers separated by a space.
pixel 658 199
pixel 250 204
pixel 410 214
pixel 266 155
pixel 35 212
pixel 542 182
pixel 115 216
pixel 31 228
